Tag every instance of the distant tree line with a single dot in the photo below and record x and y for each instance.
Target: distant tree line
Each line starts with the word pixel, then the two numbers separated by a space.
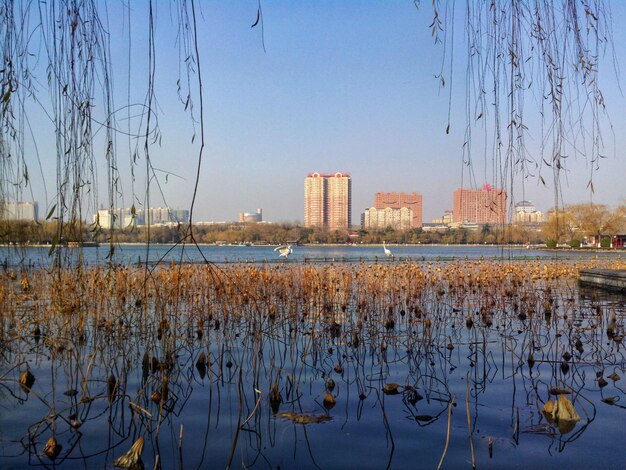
pixel 574 223
pixel 31 233
pixel 570 225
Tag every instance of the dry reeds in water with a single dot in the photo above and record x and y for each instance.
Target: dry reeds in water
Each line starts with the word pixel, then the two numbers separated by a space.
pixel 274 325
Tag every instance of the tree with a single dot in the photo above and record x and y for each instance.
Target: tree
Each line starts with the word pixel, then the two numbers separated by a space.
pixel 596 219
pixel 560 226
pixel 524 234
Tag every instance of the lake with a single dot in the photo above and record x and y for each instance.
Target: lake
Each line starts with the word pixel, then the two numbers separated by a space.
pixel 133 254
pixel 313 365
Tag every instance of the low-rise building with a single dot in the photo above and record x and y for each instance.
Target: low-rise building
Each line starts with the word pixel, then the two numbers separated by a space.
pixel 446 219
pixel 251 217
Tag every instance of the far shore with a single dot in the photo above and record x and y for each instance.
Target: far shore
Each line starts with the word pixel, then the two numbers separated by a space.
pixel 355 245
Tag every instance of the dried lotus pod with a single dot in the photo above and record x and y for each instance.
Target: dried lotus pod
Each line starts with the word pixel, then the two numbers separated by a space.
pixel 329 401
pixel 201 359
pixel 27 380
pixel 132 458
pixel 390 389
pixel 549 410
pixel 52 448
pixel 566 410
pixel 201 365
pixel 156 396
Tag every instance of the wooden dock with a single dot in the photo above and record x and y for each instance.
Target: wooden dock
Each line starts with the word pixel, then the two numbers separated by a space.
pixel 609 279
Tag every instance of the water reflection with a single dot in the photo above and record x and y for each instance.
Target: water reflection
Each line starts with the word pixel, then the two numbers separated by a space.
pixel 151 255
pixel 309 366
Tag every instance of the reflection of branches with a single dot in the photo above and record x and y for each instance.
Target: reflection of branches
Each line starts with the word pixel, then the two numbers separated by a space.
pixel 288 329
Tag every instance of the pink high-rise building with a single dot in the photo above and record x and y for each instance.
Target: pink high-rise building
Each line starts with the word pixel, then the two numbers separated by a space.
pixel 480 206
pixel 328 201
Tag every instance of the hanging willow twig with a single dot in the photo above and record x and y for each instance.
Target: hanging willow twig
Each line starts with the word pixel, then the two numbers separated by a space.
pixel 532 71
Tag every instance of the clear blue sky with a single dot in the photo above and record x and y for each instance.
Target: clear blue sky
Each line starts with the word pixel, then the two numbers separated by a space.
pixel 342 86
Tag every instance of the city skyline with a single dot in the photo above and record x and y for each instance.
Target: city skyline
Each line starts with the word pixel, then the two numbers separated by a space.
pixel 523 212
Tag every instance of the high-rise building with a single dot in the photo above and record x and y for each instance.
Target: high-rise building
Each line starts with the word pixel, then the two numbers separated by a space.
pixel 115 218
pixel 398 219
pixel 314 200
pixel 18 210
pixel 162 216
pixel 480 206
pixel 124 218
pixel 328 201
pixel 412 201
pixel 179 215
pixel 339 201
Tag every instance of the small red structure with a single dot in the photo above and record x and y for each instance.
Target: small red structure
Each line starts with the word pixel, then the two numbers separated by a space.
pixel 617 241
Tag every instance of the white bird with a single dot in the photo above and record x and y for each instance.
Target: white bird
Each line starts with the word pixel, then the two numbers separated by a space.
pixel 387 251
pixel 284 250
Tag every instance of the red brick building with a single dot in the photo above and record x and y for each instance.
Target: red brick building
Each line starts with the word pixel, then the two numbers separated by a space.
pixel 480 206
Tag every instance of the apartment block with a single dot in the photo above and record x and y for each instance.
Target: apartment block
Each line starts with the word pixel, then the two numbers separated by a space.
pixel 114 218
pixel 126 217
pixel 480 206
pixel 19 210
pixel 412 201
pixel 328 201
pixel 398 219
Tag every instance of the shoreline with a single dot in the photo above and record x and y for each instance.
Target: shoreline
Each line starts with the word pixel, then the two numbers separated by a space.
pixel 333 245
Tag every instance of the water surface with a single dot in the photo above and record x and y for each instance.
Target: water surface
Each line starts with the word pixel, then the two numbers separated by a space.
pixel 140 253
pixel 370 328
